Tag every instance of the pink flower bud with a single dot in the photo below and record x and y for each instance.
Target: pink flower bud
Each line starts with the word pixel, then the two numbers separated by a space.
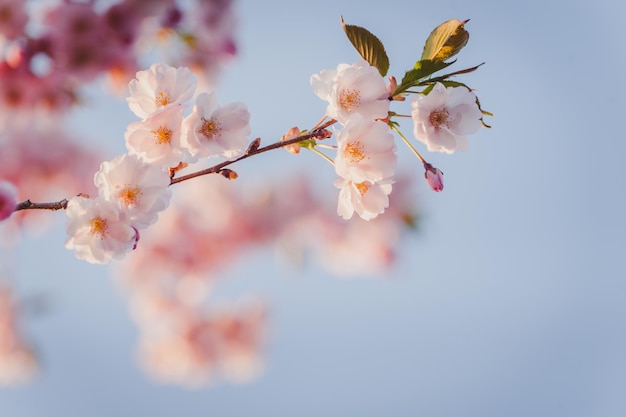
pixel 434 177
pixel 292 133
pixel 8 199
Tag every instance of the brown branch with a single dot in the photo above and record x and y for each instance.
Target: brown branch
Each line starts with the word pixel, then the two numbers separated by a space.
pixel 29 205
pixel 253 149
pixel 319 133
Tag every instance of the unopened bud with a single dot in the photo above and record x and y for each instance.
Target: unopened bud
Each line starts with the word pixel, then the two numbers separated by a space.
pixel 228 174
pixel 434 177
pixel 173 170
pixel 254 146
pixel 292 133
pixel 393 84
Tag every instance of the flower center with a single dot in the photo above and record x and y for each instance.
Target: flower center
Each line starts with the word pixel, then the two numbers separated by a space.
pixel 162 99
pixel 211 128
pixel 349 99
pixel 354 152
pixel 363 187
pixel 98 227
pixel 438 118
pixel 162 135
pixel 130 195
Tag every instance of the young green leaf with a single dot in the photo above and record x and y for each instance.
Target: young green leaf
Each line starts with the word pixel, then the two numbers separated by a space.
pixel 368 46
pixel 446 40
pixel 422 69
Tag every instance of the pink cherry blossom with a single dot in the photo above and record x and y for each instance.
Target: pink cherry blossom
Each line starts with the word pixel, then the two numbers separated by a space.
pixel 211 131
pixel 159 88
pixel 350 89
pixel 365 198
pixel 139 190
pixel 157 139
pixel 444 117
pixel 366 151
pixel 97 230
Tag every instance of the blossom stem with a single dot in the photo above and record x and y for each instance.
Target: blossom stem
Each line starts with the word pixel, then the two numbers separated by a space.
pixel 406 141
pixel 323 155
pixel 319 123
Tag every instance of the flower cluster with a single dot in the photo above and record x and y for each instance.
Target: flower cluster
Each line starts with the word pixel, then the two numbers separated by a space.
pixel 133 188
pixel 443 113
pixel 188 345
pixel 366 152
pixel 181 341
pixel 48 55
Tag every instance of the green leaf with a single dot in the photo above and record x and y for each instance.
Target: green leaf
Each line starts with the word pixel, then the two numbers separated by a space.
pixel 446 40
pixel 426 67
pixel 368 46
pixel 422 69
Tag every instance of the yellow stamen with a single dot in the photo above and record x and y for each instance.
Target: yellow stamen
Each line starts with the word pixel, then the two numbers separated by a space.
pixel 349 99
pixel 211 128
pixel 363 187
pixel 438 118
pixel 162 99
pixel 98 227
pixel 130 195
pixel 162 135
pixel 354 152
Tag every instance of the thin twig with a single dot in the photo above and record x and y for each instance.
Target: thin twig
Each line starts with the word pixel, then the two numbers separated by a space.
pixel 319 133
pixel 29 205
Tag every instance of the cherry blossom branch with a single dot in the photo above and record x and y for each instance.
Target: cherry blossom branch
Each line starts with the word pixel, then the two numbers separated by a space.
pixel 319 133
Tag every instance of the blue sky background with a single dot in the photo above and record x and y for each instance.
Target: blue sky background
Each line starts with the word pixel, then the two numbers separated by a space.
pixel 510 300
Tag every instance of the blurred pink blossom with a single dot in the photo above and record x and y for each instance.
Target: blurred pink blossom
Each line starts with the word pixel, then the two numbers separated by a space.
pixel 8 199
pixel 193 346
pixel 13 18
pixel 17 360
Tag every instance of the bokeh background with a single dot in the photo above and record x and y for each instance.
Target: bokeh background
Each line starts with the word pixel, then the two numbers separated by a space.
pixel 507 301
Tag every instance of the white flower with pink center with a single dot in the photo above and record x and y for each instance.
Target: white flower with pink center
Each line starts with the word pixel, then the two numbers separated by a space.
pixel 444 117
pixel 366 151
pixel 139 190
pixel 98 231
pixel 350 89
pixel 157 139
pixel 367 199
pixel 8 199
pixel 211 130
pixel 160 87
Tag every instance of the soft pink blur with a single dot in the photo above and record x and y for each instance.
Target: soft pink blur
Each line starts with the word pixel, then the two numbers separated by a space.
pixel 17 361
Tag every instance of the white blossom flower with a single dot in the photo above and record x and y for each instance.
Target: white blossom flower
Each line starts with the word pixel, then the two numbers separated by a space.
pixel 211 130
pixel 97 230
pixel 137 188
pixel 157 139
pixel 8 199
pixel 160 87
pixel 366 151
pixel 357 88
pixel 444 117
pixel 367 199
